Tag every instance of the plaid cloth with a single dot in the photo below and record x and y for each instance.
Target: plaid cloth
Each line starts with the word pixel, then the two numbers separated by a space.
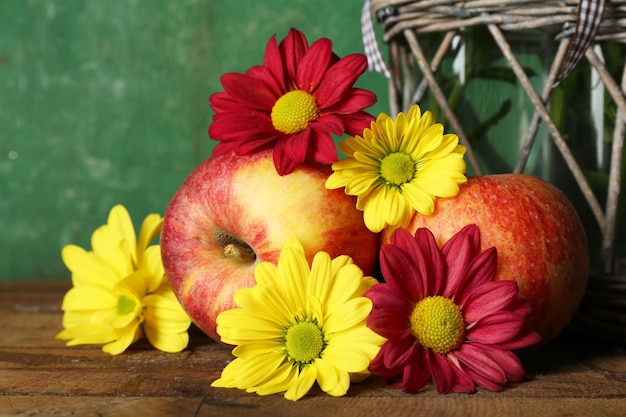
pixel 589 19
pixel 375 60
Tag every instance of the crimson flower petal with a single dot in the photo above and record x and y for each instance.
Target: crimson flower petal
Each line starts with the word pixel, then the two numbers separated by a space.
pixel 253 92
pixel 496 328
pixel 223 102
pixel 333 87
pixel 527 337
pixel 415 374
pixel 482 367
pixel 446 376
pixel 231 125
pixel 269 80
pixel 353 102
pixel 383 296
pixel 328 123
pixel 459 251
pixel 292 50
pixel 508 361
pixel 357 122
pixel 433 265
pixel 403 276
pixel 481 271
pixel 392 358
pixel 314 65
pixel 290 151
pixel 485 299
pixel 389 323
pixel 273 61
pixel 254 145
pixel 322 147
pixel 224 147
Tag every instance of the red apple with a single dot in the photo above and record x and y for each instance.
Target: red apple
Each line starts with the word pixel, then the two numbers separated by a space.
pixel 539 237
pixel 233 212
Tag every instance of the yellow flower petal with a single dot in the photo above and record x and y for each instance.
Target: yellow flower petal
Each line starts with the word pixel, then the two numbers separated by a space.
pixel 255 349
pixel 265 273
pixel 330 379
pixel 87 334
pixel 89 299
pixel 303 384
pixel 237 326
pixel 420 200
pixel 125 337
pixel 166 341
pixel 229 373
pixel 150 229
pixel 374 212
pixel 345 284
pixel 293 271
pixel 153 267
pixel 350 314
pixel 87 269
pixel 265 302
pixel 346 358
pixel 110 251
pixel 121 226
pixel 285 376
pixel 259 370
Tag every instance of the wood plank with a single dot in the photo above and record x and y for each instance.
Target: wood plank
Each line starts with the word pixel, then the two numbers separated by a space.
pixel 40 376
pixel 50 405
pixel 443 406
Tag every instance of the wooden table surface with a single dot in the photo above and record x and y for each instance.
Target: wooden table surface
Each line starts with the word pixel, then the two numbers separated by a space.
pixel 41 376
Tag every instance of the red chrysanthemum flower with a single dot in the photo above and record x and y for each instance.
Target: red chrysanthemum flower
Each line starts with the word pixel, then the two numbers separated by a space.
pixel 294 101
pixel 445 317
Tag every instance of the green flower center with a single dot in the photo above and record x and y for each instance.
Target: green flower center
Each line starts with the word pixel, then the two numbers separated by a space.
pixel 125 305
pixel 293 111
pixel 397 168
pixel 304 342
pixel 437 324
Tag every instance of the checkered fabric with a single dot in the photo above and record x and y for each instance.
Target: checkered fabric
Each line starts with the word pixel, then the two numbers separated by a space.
pixel 589 19
pixel 375 60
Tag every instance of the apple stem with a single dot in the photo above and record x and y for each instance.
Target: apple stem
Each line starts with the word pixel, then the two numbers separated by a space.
pixel 242 253
pixel 234 247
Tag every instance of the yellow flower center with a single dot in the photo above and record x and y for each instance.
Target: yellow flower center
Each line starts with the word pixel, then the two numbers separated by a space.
pixel 397 168
pixel 293 111
pixel 304 342
pixel 437 324
pixel 125 305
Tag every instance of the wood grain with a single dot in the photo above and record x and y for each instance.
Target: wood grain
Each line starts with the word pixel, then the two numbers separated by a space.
pixel 41 376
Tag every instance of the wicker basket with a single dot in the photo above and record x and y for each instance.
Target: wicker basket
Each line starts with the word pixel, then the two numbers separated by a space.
pixel 404 23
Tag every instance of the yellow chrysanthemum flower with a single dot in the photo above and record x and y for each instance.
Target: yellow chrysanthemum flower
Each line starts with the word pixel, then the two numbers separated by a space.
pixel 120 292
pixel 299 325
pixel 399 167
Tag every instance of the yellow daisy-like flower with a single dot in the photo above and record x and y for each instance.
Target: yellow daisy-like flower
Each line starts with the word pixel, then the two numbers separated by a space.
pixel 120 292
pixel 399 167
pixel 298 325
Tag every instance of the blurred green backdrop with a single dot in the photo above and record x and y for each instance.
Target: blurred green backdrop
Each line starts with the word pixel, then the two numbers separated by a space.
pixel 106 102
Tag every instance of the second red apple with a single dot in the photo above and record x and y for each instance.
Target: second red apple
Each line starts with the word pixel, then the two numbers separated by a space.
pixel 539 237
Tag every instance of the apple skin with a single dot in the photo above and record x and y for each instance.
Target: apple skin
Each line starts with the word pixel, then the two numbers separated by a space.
pixel 245 197
pixel 540 240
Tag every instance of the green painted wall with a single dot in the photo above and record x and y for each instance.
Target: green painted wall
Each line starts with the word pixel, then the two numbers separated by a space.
pixel 106 101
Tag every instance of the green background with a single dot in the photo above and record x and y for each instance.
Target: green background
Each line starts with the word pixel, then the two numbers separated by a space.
pixel 106 101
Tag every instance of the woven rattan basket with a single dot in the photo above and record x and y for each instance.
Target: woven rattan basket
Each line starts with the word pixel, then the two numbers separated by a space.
pixel 576 25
